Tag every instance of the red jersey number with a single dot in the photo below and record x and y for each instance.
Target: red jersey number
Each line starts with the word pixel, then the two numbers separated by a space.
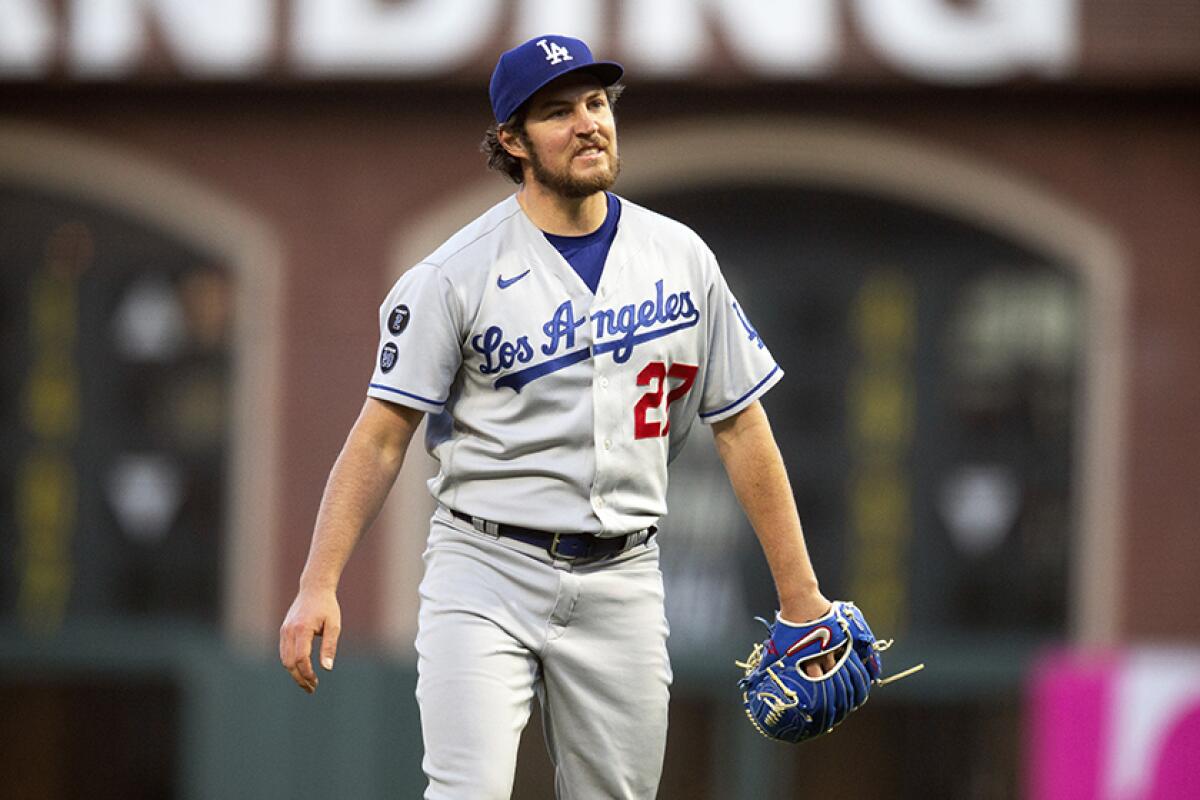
pixel 657 375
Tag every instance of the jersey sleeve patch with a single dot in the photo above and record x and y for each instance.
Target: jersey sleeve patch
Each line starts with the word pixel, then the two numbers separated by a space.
pixel 398 320
pixel 419 352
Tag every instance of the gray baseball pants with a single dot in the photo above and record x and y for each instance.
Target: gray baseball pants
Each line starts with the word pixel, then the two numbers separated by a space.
pixel 500 621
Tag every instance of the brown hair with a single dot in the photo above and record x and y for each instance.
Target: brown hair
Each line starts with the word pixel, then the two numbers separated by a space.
pixel 499 159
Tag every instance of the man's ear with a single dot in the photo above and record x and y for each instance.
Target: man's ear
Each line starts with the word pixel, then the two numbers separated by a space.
pixel 512 143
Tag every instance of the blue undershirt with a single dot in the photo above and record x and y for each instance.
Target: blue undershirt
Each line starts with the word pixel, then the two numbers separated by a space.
pixel 586 254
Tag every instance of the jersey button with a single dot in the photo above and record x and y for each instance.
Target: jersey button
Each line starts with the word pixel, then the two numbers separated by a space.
pixel 608 444
pixel 604 383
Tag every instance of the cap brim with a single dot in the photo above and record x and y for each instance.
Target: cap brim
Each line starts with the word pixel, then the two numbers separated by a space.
pixel 609 72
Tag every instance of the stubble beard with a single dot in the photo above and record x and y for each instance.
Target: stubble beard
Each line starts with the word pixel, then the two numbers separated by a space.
pixel 566 184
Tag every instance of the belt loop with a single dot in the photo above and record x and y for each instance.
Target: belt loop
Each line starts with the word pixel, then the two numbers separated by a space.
pixel 486 527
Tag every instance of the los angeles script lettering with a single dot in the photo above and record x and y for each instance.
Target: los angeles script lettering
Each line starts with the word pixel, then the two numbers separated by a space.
pixel 614 325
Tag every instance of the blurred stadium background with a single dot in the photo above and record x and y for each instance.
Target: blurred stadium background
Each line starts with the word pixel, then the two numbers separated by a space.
pixel 969 229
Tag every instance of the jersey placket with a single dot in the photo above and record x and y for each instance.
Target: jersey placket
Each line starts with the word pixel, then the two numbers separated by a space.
pixel 606 397
pixel 606 420
pixel 603 433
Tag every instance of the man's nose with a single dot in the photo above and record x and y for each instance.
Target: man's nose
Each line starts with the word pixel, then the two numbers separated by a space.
pixel 585 123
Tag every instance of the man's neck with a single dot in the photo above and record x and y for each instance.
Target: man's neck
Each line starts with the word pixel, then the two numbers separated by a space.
pixel 562 216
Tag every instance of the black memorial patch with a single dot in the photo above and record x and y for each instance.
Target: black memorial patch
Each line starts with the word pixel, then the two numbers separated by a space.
pixel 398 320
pixel 387 357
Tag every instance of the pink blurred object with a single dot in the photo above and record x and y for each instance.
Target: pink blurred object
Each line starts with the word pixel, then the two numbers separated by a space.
pixel 1178 772
pixel 1115 726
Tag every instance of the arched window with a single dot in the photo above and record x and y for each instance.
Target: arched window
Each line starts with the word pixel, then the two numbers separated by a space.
pixel 928 416
pixel 139 360
pixel 117 346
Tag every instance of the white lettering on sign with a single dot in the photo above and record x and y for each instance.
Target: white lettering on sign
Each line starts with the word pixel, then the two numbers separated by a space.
pixel 990 40
pixel 221 37
pixel 418 37
pixel 26 37
pixel 781 39
pixel 583 19
pixel 671 38
pixel 933 40
pixel 663 37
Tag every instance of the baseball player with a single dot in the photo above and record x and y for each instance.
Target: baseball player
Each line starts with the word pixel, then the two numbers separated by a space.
pixel 562 346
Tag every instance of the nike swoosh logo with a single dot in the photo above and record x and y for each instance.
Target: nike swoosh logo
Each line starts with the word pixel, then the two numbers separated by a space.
pixel 822 634
pixel 504 284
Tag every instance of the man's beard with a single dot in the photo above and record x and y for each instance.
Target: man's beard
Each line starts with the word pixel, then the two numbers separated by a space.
pixel 566 184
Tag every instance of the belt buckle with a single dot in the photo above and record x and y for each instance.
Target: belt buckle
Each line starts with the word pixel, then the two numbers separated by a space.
pixel 554 553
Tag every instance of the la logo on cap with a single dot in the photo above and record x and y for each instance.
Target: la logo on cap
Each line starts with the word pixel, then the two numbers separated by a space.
pixel 529 66
pixel 555 53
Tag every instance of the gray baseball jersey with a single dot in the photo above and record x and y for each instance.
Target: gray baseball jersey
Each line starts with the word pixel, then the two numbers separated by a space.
pixel 554 408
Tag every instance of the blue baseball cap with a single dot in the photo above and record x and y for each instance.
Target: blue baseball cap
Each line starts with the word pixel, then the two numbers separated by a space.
pixel 520 72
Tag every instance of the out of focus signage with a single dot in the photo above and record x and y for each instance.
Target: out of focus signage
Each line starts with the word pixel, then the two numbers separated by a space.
pixel 1118 726
pixel 941 41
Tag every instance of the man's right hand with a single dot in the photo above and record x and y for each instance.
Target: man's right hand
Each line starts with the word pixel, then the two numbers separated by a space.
pixel 358 483
pixel 314 612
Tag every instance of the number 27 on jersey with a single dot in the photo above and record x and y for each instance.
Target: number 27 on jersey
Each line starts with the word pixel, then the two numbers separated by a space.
pixel 657 376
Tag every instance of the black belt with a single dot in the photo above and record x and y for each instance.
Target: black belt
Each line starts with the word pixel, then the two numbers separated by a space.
pixel 568 546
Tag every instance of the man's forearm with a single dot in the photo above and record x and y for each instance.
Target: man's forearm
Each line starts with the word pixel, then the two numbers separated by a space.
pixel 756 470
pixel 358 484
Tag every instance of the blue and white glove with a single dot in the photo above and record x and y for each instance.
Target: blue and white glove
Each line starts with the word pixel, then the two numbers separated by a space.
pixel 785 703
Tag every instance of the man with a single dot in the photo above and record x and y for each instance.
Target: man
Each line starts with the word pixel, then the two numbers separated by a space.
pixel 563 343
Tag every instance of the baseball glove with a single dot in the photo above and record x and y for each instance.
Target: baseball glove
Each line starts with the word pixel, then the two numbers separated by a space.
pixel 785 703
